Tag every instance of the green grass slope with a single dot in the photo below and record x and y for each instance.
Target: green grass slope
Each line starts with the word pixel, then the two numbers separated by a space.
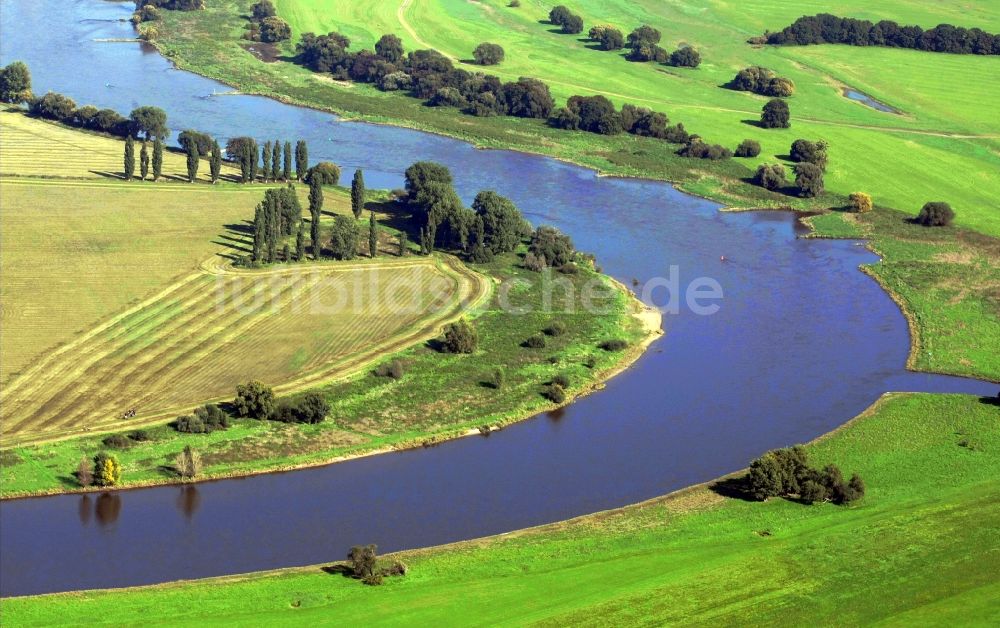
pixel 946 126
pixel 921 547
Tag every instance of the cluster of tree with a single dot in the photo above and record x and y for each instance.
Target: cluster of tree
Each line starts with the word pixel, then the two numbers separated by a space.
pixel 493 225
pixel 157 161
pixel 786 473
pixel 172 5
pixel 425 74
pixel 275 159
pixel 124 441
pixel 830 29
pixel 204 420
pixel 15 83
pixel 607 37
pixel 698 149
pixel 145 13
pixel 597 114
pixel 265 25
pixel 276 216
pixel 763 81
pixel 148 122
pixel 643 44
pixel 811 160
pixel 569 22
pixel 106 471
pixel 362 560
pixel 488 54
pixel 748 148
pixel 256 401
pixel 935 214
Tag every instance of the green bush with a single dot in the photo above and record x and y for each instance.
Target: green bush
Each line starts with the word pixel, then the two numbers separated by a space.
pixel 535 342
pixel 615 344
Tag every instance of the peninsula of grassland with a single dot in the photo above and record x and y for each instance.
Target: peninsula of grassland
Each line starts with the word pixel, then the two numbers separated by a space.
pixel 132 319
pixel 944 145
pixel 919 548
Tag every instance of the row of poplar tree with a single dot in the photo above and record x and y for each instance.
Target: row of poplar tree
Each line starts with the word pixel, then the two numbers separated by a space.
pixel 275 164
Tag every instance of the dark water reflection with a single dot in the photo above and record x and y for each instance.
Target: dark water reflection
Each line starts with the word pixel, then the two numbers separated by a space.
pixel 803 342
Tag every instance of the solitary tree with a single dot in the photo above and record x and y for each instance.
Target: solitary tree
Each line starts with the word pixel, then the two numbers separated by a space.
pixel 193 160
pixel 358 193
pixel 363 560
pixel 460 337
pixel 488 54
pixel 157 158
pixel 143 162
pixel 15 83
pixel 265 160
pixel 301 159
pixel 344 238
pixel 748 148
pixel 372 236
pixel 286 166
pixel 188 463
pixel 129 158
pixel 84 473
pixel 775 115
pixel 215 162
pixel 860 202
pixel 107 470
pixel 935 214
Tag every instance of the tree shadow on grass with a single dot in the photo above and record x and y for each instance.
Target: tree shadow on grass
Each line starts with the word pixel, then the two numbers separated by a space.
pixel 990 401
pixel 339 570
pixel 753 123
pixel 732 488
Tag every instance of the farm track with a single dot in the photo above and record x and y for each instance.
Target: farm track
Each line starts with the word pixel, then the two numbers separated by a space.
pixel 182 346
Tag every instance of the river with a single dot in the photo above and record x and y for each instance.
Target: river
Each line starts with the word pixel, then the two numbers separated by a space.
pixel 803 342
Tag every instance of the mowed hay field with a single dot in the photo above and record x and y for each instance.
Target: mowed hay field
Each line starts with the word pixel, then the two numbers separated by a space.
pixel 213 329
pixel 944 146
pixel 38 148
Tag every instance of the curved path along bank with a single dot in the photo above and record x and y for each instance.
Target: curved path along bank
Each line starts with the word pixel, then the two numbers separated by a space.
pixel 801 343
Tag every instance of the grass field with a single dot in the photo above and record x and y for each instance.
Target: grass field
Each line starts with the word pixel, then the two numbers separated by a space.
pixel 904 160
pixel 38 148
pixel 920 548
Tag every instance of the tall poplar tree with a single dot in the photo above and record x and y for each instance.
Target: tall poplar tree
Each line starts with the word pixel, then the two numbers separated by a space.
pixel 129 158
pixel 157 158
pixel 215 162
pixel 300 242
pixel 265 161
pixel 286 170
pixel 403 244
pixel 301 159
pixel 275 161
pixel 274 225
pixel 358 193
pixel 143 162
pixel 252 157
pixel 193 161
pixel 315 206
pixel 372 236
pixel 258 233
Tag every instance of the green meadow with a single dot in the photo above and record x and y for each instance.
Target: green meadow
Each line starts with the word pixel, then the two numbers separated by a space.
pixel 915 550
pixel 903 160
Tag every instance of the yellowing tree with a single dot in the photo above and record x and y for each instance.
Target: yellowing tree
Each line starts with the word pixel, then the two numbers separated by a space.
pixel 107 470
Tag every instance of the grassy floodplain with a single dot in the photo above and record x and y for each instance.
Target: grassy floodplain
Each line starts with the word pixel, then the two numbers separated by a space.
pixel 915 550
pixel 903 160
pixel 132 319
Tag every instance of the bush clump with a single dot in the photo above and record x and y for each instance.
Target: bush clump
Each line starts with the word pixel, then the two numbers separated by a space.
pixel 117 441
pixel 770 176
pixel 460 337
pixel 748 148
pixel 556 328
pixel 860 202
pixel 614 344
pixel 561 379
pixel 392 369
pixel 310 408
pixel 536 341
pixel 786 473
pixel 555 393
pixel 935 214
